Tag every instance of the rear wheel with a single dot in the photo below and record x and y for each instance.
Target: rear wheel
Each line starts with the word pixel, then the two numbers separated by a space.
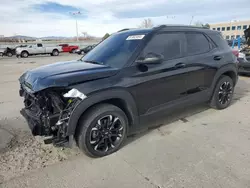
pixel 82 52
pixel 223 93
pixel 55 53
pixel 1 54
pixel 9 54
pixel 73 51
pixel 24 54
pixel 102 130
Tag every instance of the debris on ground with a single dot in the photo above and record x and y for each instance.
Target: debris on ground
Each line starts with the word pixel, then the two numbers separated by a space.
pixel 25 153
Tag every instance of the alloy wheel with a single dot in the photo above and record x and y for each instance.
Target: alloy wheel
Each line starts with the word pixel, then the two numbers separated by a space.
pixel 225 92
pixel 106 134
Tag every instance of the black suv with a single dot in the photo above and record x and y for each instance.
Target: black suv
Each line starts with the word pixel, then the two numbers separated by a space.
pixel 124 82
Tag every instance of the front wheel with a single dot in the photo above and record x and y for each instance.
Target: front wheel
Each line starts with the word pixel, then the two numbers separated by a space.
pixel 223 93
pixel 24 54
pixel 102 130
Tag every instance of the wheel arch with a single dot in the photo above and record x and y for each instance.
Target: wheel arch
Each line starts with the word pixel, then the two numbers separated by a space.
pixel 25 51
pixel 120 98
pixel 228 70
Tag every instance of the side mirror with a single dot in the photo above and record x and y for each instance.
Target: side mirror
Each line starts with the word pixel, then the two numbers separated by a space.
pixel 151 58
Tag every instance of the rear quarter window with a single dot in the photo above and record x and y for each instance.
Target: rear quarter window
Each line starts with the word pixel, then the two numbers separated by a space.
pixel 219 40
pixel 197 43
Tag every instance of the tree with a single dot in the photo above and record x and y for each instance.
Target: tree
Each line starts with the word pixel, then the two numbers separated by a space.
pixel 200 24
pixel 105 36
pixel 146 23
pixel 85 34
pixel 207 25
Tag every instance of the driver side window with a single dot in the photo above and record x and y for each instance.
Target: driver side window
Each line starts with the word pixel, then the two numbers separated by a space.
pixel 166 44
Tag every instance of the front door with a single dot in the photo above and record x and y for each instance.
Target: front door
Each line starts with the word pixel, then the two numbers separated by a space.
pixel 158 85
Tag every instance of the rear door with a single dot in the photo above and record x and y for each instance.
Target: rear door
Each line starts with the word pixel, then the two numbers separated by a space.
pixel 201 62
pixel 40 49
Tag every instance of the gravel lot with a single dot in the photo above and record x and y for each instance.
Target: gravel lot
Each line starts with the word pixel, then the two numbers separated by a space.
pixel 197 147
pixel 23 152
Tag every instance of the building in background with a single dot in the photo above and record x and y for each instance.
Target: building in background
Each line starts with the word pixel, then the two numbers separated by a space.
pixel 231 30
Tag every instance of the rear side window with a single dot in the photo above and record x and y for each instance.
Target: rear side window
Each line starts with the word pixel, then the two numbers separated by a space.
pixel 167 44
pixel 219 40
pixel 197 43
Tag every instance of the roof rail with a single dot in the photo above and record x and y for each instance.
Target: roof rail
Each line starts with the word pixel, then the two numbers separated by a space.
pixel 176 25
pixel 159 27
pixel 123 30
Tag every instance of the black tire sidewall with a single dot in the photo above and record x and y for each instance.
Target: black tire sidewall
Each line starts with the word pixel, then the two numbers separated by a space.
pixel 216 102
pixel 87 125
pixel 55 53
pixel 22 54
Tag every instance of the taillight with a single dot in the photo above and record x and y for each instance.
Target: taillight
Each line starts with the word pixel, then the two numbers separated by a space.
pixel 236 53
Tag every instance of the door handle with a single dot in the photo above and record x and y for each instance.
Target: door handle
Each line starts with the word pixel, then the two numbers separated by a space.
pixel 217 58
pixel 180 65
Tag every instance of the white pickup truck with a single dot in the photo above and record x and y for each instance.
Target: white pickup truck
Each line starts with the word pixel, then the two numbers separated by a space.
pixel 38 49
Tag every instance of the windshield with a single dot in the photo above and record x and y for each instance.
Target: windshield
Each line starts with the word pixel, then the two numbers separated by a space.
pixel 114 51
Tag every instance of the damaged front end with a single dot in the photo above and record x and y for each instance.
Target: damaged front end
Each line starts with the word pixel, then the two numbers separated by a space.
pixel 48 111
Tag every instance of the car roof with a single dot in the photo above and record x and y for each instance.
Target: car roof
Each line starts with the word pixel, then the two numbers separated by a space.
pixel 186 28
pixel 168 28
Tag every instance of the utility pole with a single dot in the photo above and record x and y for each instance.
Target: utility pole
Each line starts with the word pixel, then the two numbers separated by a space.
pixel 191 20
pixel 75 15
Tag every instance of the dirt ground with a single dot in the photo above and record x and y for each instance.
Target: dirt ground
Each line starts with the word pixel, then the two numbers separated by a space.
pixel 24 152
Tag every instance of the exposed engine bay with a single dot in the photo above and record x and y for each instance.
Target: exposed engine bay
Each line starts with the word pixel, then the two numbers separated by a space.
pixel 47 113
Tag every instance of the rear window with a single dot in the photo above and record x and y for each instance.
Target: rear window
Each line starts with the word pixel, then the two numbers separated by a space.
pixel 197 43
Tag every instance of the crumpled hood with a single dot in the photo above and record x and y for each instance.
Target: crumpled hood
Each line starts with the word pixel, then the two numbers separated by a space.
pixel 63 74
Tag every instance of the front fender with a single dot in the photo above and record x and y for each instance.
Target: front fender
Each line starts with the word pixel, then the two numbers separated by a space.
pixel 98 98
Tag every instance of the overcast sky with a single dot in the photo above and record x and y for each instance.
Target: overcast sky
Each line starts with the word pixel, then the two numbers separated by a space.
pixel 52 17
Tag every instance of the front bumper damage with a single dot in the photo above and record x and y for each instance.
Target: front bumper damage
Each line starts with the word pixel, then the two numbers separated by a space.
pixel 47 114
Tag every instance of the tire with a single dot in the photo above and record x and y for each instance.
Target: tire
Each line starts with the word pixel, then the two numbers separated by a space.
pixel 82 53
pixel 73 51
pixel 24 54
pixel 1 54
pixel 55 53
pixel 9 54
pixel 92 128
pixel 223 93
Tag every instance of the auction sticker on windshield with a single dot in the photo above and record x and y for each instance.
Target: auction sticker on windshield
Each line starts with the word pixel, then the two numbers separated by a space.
pixel 135 37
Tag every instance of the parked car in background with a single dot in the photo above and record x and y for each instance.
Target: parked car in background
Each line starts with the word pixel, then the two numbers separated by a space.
pixel 244 64
pixel 125 82
pixel 85 50
pixel 2 51
pixel 10 51
pixel 69 48
pixel 37 49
